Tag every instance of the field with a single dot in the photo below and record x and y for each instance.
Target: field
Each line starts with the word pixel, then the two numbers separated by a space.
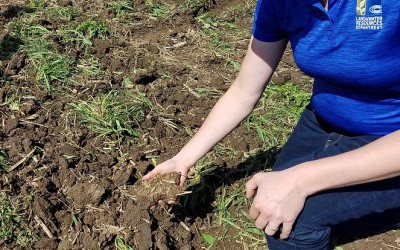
pixel 93 94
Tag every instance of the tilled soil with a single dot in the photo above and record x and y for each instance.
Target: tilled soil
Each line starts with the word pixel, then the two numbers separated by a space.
pixel 85 192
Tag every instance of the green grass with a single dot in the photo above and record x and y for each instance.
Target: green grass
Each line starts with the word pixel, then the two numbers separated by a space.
pixel 122 9
pixel 27 28
pixel 208 238
pixel 215 29
pixel 232 205
pixel 273 119
pixel 226 32
pixel 159 11
pixel 90 65
pixel 118 112
pixel 83 33
pixel 50 67
pixel 13 101
pixel 13 224
pixel 205 176
pixel 37 4
pixel 196 183
pixel 4 162
pixel 196 5
pixel 63 13
pixel 121 245
pixel 207 91
pixel 232 213
pixel 277 113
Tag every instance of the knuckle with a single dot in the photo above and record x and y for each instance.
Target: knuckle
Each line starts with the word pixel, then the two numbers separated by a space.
pixel 257 204
pixel 288 219
pixel 268 233
pixel 249 185
pixel 258 207
pixel 259 225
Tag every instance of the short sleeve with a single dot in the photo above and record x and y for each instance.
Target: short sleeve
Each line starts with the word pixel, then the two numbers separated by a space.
pixel 266 26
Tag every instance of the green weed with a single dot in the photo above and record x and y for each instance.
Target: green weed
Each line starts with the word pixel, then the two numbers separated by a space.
pixel 207 91
pixel 63 13
pixel 121 245
pixel 277 113
pixel 204 173
pixel 75 221
pixel 235 65
pixel 48 65
pixel 84 33
pixel 197 5
pixel 226 31
pixel 13 101
pixel 230 213
pixel 196 183
pixel 89 65
pixel 127 82
pixel 214 28
pixel 208 238
pixel 27 29
pixel 121 8
pixel 4 162
pixel 13 225
pixel 118 112
pixel 37 4
pixel 238 12
pixel 159 10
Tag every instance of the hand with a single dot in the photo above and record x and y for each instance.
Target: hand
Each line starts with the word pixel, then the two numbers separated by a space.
pixel 277 201
pixel 171 165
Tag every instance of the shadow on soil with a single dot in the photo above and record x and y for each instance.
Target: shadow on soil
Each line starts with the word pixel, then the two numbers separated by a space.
pixel 200 202
pixel 14 11
pixel 9 44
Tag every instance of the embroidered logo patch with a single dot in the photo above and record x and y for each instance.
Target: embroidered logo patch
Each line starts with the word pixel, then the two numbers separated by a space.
pixel 369 15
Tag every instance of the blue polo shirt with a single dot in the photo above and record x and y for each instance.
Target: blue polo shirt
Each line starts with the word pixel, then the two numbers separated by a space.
pixel 353 52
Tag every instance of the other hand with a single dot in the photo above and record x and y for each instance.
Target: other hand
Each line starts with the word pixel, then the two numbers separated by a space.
pixel 277 201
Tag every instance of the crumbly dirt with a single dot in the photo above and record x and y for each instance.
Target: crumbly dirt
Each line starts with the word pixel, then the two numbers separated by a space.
pixel 84 190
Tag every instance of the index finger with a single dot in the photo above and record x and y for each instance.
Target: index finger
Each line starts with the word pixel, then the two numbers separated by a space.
pixel 251 187
pixel 153 173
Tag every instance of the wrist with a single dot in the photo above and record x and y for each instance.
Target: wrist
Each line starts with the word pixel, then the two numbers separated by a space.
pixel 305 178
pixel 184 160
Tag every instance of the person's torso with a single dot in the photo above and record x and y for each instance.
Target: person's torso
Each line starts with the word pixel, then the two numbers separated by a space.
pixel 353 52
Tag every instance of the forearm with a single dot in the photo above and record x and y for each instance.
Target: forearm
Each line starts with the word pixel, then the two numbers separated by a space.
pixel 226 115
pixel 375 161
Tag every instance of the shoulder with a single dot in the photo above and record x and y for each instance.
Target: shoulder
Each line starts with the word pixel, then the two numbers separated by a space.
pixel 268 5
pixel 282 10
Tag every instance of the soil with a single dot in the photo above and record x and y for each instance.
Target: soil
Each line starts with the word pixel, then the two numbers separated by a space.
pixel 75 174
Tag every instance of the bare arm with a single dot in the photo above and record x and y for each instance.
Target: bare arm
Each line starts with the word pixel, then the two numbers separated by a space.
pixel 376 161
pixel 236 104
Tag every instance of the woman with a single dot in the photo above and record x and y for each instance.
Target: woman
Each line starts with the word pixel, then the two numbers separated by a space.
pixel 339 171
